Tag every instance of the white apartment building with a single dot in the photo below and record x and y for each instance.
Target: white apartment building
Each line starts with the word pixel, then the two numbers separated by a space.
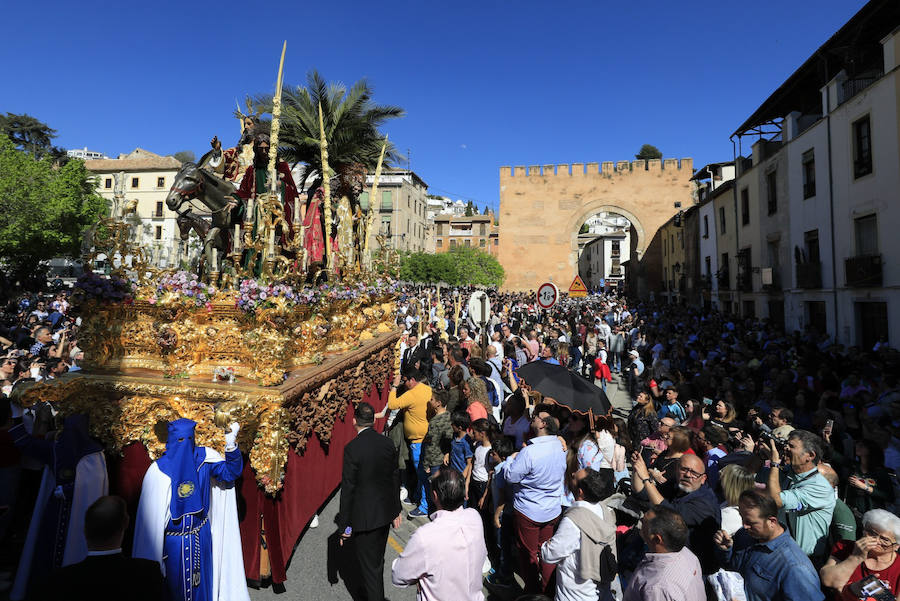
pixel 713 180
pixel 144 178
pixel 84 154
pixel 828 142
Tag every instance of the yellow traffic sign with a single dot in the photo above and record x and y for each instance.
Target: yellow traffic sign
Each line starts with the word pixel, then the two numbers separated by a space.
pixel 578 288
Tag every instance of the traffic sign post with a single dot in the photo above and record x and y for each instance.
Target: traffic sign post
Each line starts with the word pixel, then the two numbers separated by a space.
pixel 547 295
pixel 578 288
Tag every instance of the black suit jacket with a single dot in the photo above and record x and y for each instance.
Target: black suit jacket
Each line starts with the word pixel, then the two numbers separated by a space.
pixel 106 578
pixel 370 484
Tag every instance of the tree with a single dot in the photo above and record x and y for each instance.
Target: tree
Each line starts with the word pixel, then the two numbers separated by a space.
pixel 470 209
pixel 46 209
pixel 30 135
pixel 351 122
pixel 185 156
pixel 648 151
pixel 461 266
pixel 585 228
pixel 487 210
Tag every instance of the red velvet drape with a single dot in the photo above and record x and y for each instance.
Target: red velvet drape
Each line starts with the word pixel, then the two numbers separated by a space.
pixel 309 480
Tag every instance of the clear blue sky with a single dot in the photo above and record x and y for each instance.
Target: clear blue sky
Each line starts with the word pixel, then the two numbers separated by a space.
pixel 484 84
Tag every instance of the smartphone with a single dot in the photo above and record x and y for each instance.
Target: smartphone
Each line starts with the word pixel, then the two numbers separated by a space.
pixel 829 425
pixel 707 401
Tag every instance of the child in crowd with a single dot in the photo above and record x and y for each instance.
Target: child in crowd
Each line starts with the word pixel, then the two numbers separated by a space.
pixel 461 447
pixel 478 489
pixel 501 496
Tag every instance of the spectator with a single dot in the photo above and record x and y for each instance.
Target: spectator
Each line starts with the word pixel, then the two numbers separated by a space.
pixel 106 574
pixel 781 418
pixel 874 556
pixel 806 497
pixel 869 486
pixel 642 421
pixel 516 423
pixel 461 454
pixel 691 497
pixel 414 404
pixel 671 407
pixel 843 522
pixel 444 557
pixel 435 448
pixel 710 444
pixel 538 472
pixel 771 563
pixel 502 573
pixel 669 571
pixel 585 542
pixel 735 479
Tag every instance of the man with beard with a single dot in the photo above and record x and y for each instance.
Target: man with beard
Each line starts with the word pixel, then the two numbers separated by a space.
pixel 233 162
pixel 256 182
pixel 691 497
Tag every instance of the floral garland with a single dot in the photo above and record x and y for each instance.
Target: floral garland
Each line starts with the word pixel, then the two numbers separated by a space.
pixel 93 287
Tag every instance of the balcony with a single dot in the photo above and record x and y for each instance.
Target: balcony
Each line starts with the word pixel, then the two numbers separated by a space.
pixel 809 275
pixel 705 282
pixel 852 87
pixel 863 271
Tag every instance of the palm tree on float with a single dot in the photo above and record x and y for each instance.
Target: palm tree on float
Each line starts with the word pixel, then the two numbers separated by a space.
pixel 351 121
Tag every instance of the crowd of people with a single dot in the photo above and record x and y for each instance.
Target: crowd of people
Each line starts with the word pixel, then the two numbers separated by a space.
pixel 739 461
pixel 745 462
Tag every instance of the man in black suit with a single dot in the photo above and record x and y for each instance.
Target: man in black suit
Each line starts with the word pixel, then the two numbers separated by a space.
pixel 410 353
pixel 370 498
pixel 106 574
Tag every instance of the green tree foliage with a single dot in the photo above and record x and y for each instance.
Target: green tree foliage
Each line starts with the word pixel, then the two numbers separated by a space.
pixel 45 209
pixel 28 134
pixel 648 151
pixel 351 121
pixel 185 156
pixel 471 209
pixel 461 266
pixel 585 228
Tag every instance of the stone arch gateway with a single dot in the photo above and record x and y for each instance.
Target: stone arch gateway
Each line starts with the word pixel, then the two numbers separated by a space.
pixel 541 209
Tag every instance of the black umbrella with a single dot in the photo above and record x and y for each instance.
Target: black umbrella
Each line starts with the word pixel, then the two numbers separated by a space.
pixel 565 387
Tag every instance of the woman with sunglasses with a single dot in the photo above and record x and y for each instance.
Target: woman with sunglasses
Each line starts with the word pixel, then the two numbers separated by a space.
pixel 873 557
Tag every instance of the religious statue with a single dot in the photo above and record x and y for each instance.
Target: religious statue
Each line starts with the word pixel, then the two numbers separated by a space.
pixel 232 163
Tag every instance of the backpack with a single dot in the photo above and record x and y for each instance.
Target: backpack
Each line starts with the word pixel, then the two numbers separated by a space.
pixel 492 391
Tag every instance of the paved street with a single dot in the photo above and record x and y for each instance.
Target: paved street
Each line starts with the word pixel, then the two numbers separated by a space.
pixel 315 571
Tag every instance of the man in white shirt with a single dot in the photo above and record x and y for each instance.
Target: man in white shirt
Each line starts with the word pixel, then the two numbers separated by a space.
pixel 578 574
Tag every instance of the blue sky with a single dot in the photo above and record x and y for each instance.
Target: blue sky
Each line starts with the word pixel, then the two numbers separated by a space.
pixel 484 84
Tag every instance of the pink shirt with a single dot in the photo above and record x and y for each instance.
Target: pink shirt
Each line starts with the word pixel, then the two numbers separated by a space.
pixel 667 577
pixel 444 557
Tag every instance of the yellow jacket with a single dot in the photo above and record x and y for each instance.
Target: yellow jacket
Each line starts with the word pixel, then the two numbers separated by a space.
pixel 415 405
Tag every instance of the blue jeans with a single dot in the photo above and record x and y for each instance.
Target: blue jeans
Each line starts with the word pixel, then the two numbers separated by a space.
pixel 425 473
pixel 415 453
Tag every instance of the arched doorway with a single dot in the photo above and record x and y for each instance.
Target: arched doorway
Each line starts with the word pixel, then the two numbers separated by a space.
pixel 605 245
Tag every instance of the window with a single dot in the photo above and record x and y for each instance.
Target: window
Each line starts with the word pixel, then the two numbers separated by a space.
pixel 815 316
pixel 866 229
pixel 745 207
pixel 722 220
pixel 439 243
pixel 811 246
pixel 772 191
pixel 872 319
pixel 108 183
pixel 468 242
pixel 750 309
pixel 708 265
pixel 706 226
pixel 159 208
pixel 440 229
pixel 407 202
pixel 386 225
pixel 364 201
pixel 672 241
pixel 452 243
pixel 496 241
pixel 482 243
pixel 809 174
pixel 862 147
pixel 134 182
pixel 724 276
pixel 386 201
pixel 483 229
pixel 159 232
pixel 160 182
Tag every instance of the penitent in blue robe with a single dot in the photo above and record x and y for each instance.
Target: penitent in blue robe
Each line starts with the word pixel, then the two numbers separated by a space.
pixel 187 546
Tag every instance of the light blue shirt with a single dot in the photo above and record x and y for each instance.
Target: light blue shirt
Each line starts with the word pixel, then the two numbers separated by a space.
pixel 537 474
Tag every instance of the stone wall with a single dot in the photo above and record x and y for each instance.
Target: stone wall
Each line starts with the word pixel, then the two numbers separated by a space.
pixel 542 208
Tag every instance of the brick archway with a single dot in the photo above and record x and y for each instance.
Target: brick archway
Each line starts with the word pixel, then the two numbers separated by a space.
pixel 541 209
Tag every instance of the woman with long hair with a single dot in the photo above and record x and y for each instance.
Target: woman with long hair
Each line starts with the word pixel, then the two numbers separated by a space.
pixel 622 450
pixel 642 421
pixel 734 479
pixel 723 414
pixel 478 405
pixel 694 411
pixel 590 450
pixel 455 396
pixel 516 424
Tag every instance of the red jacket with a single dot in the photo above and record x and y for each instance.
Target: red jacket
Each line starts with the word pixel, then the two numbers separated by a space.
pixel 601 370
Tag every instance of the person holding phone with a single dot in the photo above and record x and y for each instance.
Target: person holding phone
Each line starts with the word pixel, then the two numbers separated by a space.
pixel 872 557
